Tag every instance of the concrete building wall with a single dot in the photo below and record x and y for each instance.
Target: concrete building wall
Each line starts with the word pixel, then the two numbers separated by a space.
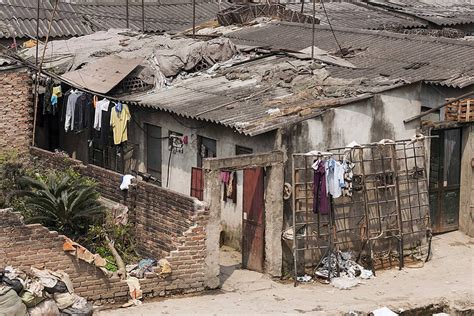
pixel 181 163
pixel 466 210
pixel 16 110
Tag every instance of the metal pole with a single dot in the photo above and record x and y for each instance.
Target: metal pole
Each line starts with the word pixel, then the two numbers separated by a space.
pixel 143 16
pixel 126 12
pixel 313 30
pixel 194 18
pixel 35 97
pixel 37 31
pixel 39 70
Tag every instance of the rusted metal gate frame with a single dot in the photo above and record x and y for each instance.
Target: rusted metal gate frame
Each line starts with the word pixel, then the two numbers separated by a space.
pixel 398 156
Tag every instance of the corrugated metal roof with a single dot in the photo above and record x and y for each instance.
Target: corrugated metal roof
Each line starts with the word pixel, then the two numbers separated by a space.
pixel 442 13
pixel 158 17
pixel 376 53
pixel 18 17
pixel 246 104
pixel 357 15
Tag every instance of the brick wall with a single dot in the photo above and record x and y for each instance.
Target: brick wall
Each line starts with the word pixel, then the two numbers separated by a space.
pixel 167 225
pixel 16 110
pixel 160 215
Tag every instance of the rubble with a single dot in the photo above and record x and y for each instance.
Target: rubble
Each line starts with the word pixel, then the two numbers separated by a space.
pixel 39 292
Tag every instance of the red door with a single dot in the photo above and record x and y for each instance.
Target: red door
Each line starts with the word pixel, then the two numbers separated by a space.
pixel 253 231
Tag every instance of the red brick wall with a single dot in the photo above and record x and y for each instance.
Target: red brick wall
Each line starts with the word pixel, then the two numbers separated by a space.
pixel 24 246
pixel 167 225
pixel 160 215
pixel 16 110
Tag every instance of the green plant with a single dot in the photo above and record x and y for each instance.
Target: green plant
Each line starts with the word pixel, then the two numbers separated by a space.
pixel 61 202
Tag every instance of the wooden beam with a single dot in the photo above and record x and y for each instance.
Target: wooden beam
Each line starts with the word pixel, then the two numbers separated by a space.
pixel 244 161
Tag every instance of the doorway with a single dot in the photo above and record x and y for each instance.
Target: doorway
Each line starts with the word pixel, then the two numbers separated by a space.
pixel 253 227
pixel 444 180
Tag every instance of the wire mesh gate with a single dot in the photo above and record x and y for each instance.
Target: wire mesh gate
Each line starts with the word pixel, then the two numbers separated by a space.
pixel 385 221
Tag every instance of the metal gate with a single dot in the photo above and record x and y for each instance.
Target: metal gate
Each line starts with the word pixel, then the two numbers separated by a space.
pixel 385 219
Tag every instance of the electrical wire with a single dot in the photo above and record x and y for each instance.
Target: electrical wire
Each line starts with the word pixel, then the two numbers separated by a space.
pixel 330 26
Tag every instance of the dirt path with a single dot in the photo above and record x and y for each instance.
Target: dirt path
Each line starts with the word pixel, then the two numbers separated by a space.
pixel 448 277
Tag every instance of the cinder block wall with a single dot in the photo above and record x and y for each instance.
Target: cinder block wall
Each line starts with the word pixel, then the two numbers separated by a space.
pixel 168 225
pixel 16 110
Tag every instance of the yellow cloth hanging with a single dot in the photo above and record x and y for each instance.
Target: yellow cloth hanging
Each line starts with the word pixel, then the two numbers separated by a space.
pixel 118 122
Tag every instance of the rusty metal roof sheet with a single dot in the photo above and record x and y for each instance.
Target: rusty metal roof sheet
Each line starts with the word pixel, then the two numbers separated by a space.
pixel 357 15
pixel 104 74
pixel 375 53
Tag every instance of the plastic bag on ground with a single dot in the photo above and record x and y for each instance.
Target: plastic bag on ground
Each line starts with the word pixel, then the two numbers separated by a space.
pixel 10 303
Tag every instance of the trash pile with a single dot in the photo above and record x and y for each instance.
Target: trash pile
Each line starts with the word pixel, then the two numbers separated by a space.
pixel 342 270
pixel 39 292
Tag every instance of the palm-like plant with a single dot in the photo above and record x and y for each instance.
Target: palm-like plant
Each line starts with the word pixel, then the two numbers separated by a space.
pixel 62 203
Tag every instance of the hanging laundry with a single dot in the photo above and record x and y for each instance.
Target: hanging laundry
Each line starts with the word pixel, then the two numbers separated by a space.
pixel 348 167
pixel 320 196
pixel 102 105
pixel 82 112
pixel 69 111
pixel 334 177
pixel 105 126
pixel 224 177
pixel 56 94
pixel 47 106
pixel 230 185
pixel 119 118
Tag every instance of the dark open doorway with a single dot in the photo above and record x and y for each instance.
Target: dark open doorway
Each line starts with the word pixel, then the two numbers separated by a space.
pixel 444 182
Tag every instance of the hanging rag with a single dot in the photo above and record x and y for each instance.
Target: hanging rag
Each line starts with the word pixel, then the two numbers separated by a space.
pixel 118 121
pixel 126 181
pixel 224 177
pixel 320 196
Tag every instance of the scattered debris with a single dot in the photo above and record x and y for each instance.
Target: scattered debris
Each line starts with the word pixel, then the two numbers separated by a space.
pixel 39 292
pixel 305 278
pixel 83 254
pixel 139 270
pixel 384 311
pixel 134 291
pixel 343 271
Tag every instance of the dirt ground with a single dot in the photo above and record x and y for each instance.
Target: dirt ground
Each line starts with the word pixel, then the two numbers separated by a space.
pixel 447 278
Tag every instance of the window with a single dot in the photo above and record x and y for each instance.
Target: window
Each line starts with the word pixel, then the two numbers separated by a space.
pixel 207 148
pixel 240 150
pixel 153 150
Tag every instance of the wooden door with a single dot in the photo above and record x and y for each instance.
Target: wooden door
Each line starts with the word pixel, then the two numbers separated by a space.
pixel 253 227
pixel 444 182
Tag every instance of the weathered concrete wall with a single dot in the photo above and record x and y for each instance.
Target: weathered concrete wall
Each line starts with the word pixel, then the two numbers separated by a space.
pixel 16 110
pixel 181 163
pixel 466 209
pixel 273 163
